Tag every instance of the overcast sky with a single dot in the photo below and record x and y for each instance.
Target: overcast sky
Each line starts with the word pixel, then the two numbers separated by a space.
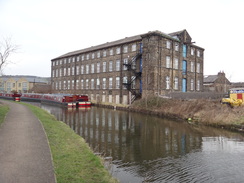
pixel 45 29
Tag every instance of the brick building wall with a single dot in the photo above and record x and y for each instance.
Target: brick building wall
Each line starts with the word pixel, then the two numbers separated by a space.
pixel 163 65
pixel 120 71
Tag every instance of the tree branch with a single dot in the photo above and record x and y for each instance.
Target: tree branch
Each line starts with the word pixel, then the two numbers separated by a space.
pixel 7 48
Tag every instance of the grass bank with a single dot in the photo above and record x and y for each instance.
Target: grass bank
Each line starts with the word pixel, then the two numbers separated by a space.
pixel 3 111
pixel 207 112
pixel 74 162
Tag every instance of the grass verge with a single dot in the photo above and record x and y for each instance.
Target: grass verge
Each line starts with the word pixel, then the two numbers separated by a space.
pixel 73 159
pixel 3 111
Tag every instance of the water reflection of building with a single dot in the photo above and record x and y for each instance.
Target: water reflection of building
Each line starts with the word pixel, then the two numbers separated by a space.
pixel 149 149
pixel 130 137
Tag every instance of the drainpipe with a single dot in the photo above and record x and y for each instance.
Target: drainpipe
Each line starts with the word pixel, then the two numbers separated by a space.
pixel 75 75
pixel 172 68
pixel 121 76
pixel 159 60
pixel 160 68
pixel 195 73
pixel 140 65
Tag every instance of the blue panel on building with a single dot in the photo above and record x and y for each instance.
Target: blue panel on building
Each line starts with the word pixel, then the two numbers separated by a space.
pixel 184 85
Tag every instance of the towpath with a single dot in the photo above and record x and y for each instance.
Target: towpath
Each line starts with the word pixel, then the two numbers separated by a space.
pixel 24 151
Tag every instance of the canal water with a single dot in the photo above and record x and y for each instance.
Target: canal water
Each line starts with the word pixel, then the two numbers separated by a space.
pixel 145 148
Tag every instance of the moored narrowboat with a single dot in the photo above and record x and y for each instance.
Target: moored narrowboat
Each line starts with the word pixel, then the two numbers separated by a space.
pixel 68 100
pixel 11 96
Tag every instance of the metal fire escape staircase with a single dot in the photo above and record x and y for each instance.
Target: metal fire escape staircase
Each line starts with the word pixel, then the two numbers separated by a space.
pixel 134 75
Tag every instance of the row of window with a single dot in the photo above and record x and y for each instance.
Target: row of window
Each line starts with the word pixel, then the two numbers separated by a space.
pixel 91 84
pixel 13 85
pixel 94 55
pixel 176 84
pixel 176 48
pixel 87 69
pixel 95 84
pixel 176 65
pixel 193 52
pixel 184 51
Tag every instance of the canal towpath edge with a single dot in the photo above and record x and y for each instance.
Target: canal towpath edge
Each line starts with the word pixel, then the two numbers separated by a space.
pixel 25 155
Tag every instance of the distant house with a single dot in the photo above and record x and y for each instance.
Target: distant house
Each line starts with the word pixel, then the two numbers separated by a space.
pixel 41 88
pixel 216 83
pixel 21 83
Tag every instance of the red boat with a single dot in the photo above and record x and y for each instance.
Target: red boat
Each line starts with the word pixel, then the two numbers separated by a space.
pixel 82 101
pixel 58 99
pixel 11 96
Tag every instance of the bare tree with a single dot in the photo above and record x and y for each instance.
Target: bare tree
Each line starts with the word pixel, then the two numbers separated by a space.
pixel 7 48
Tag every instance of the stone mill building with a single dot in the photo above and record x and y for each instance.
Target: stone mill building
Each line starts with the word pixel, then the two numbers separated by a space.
pixel 121 71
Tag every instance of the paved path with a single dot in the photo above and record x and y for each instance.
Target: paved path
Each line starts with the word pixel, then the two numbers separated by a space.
pixel 24 151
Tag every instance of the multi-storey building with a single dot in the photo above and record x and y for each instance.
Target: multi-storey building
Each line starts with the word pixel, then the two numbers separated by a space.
pixel 154 63
pixel 21 83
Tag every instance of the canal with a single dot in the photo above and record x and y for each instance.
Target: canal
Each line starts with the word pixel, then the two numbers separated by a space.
pixel 145 148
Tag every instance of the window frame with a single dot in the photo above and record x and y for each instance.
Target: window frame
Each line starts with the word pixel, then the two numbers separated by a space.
pixel 110 83
pixel 176 83
pixel 192 84
pixel 104 53
pixel 125 81
pixel 176 63
pixel 125 49
pixel 87 84
pixel 198 53
pixel 87 56
pixel 104 66
pixel 98 67
pixel 177 46
pixel 92 68
pixel 98 84
pixel 192 66
pixel 111 52
pixel 104 83
pixel 125 61
pixel 73 71
pixel 82 69
pixel 117 67
pixel 87 68
pixel 198 85
pixel 168 44
pixel 117 82
pixel 77 70
pixel 192 51
pixel 110 67
pixel 118 50
pixel 198 68
pixel 93 55
pixel 92 84
pixel 133 47
pixel 168 62
pixel 82 84
pixel 167 82
pixel 98 54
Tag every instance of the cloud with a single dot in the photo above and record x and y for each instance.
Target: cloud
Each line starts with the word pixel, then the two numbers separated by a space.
pixel 49 28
